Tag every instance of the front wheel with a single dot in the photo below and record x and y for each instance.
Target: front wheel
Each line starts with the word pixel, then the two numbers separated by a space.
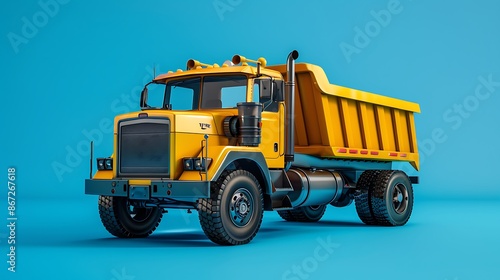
pixel 126 221
pixel 233 213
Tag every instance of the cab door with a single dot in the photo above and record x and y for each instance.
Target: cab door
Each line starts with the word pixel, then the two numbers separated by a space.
pixel 272 140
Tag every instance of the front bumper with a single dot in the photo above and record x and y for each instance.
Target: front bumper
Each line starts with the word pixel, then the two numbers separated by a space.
pixel 189 191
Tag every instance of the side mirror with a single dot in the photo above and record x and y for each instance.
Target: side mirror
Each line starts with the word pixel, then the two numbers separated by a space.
pixel 278 86
pixel 266 90
pixel 144 97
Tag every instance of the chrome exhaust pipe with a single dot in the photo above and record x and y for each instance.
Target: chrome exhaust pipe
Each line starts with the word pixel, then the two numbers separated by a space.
pixel 290 108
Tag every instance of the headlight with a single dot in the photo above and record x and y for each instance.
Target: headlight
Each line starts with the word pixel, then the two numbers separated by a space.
pixel 105 164
pixel 100 164
pixel 188 164
pixel 109 164
pixel 196 163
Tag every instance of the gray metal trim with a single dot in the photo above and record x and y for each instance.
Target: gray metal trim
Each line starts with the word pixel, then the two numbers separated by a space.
pixel 181 190
pixel 307 161
pixel 132 121
pixel 176 190
pixel 105 187
pixel 414 179
pixel 139 192
pixel 256 157
pixel 290 108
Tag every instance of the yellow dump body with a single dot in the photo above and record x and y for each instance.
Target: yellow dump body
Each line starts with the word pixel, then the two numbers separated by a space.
pixel 339 122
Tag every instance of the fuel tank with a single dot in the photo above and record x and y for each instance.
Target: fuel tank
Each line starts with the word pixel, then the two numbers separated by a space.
pixel 314 186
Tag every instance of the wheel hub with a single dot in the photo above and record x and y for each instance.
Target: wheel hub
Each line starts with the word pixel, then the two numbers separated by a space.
pixel 240 207
pixel 243 208
pixel 400 198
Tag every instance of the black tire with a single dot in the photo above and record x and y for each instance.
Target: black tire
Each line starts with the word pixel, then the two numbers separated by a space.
pixel 303 214
pixel 362 196
pixel 233 213
pixel 392 198
pixel 121 221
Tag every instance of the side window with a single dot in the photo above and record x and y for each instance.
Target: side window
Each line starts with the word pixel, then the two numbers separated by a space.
pixel 256 92
pixel 156 94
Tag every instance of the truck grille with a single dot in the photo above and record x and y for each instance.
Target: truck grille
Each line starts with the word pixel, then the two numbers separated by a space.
pixel 144 148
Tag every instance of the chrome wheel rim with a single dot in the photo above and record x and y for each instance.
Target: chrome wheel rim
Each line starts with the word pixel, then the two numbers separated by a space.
pixel 241 207
pixel 400 198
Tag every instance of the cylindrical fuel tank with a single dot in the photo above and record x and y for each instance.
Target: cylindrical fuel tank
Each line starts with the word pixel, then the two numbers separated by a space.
pixel 314 187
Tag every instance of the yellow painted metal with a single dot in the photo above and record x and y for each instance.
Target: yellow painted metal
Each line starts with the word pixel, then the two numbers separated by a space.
pixel 248 70
pixel 103 175
pixel 190 145
pixel 139 182
pixel 339 122
pixel 195 64
pixel 237 59
pixel 270 134
pixel 218 155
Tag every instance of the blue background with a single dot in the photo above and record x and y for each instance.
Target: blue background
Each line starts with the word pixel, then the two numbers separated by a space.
pixel 80 63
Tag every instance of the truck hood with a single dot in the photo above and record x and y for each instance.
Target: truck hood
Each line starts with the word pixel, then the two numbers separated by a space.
pixel 196 122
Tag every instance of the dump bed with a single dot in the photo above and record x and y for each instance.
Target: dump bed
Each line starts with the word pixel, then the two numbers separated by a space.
pixel 338 122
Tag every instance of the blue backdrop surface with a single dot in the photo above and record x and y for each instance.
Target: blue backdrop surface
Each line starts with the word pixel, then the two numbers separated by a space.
pixel 68 67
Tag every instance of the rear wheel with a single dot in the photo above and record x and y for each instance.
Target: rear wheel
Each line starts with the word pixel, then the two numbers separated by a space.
pixel 303 214
pixel 126 221
pixel 392 198
pixel 362 196
pixel 233 213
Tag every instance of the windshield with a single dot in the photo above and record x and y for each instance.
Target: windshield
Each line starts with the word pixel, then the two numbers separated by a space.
pixel 216 92
pixel 223 91
pixel 183 94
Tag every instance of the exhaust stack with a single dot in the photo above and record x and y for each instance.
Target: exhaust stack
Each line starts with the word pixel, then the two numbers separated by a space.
pixel 290 108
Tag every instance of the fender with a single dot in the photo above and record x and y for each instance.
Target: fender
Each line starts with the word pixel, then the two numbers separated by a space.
pixel 247 156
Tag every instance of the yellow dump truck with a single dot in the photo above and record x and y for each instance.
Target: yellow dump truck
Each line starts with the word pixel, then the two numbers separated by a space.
pixel 234 140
